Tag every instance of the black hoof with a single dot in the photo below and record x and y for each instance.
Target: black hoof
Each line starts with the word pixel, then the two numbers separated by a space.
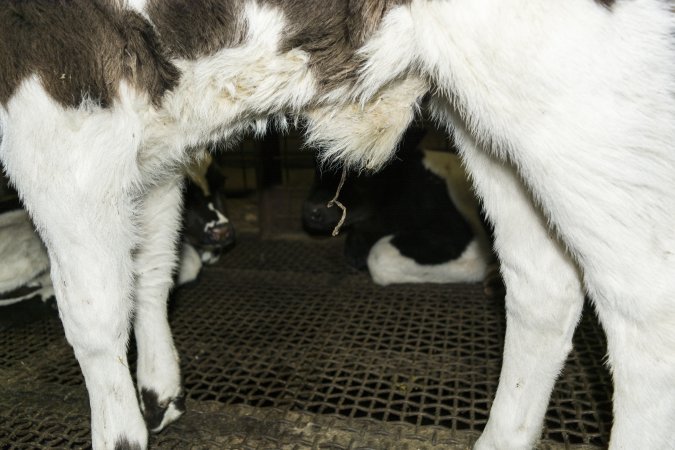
pixel 124 444
pixel 155 412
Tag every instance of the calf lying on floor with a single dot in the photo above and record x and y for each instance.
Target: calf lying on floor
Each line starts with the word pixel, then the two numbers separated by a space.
pixel 415 221
pixel 566 105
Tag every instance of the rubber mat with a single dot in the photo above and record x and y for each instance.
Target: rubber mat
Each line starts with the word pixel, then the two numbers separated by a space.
pixel 284 347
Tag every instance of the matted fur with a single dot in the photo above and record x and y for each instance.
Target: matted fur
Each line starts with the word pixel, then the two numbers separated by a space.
pixel 563 111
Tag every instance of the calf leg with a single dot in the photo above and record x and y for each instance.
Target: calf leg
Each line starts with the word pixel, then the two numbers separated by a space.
pixel 613 206
pixel 92 276
pixel 544 300
pixel 617 217
pixel 89 238
pixel 158 373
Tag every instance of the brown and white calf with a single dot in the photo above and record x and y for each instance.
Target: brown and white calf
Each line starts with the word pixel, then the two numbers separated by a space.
pixel 566 105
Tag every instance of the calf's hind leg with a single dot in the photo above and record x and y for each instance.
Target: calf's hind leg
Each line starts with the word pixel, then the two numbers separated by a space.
pixel 580 99
pixel 544 299
pixel 614 207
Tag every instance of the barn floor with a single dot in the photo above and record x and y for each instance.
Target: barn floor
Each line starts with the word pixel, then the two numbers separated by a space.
pixel 284 347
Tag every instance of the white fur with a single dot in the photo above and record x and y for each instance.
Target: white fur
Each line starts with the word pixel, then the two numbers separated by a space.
pixel 135 5
pixel 560 90
pixel 387 266
pixel 208 257
pixel 573 99
pixel 221 219
pixel 543 302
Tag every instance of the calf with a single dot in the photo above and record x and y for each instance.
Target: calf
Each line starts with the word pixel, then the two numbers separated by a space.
pixel 206 226
pixel 207 232
pixel 563 112
pixel 414 221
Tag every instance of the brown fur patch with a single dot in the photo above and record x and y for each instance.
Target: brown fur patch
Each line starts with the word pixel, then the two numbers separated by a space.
pixel 321 29
pixel 331 32
pixel 80 49
pixel 191 29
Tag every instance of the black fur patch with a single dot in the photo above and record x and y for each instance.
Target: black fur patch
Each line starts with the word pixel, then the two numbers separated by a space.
pixel 429 248
pixel 153 411
pixel 124 444
pixel 21 291
pixel 433 231
pixel 606 3
pixel 179 402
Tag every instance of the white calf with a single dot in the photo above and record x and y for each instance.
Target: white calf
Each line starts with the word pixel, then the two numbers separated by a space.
pixel 566 105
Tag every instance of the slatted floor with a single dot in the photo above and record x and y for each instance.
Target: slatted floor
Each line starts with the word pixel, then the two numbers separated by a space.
pixel 284 347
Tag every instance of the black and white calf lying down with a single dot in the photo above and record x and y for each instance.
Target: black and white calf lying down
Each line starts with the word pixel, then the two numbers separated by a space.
pixel 415 221
pixel 563 112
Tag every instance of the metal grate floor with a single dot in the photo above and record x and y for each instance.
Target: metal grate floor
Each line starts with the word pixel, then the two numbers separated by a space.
pixel 284 347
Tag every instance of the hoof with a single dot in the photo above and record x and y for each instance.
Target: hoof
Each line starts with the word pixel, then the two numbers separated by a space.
pixel 124 444
pixel 159 414
pixel 493 285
